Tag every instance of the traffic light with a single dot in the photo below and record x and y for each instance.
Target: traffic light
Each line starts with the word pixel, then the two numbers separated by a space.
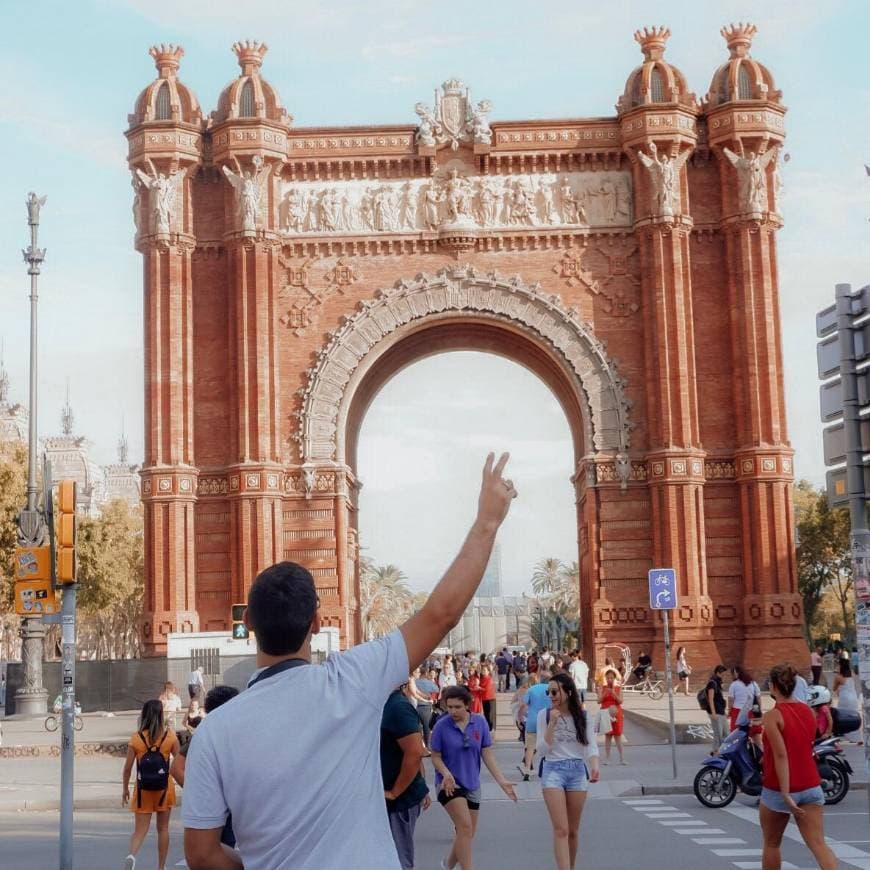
pixel 66 532
pixel 240 630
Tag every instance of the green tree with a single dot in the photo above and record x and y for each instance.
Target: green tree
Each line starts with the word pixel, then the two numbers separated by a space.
pixel 111 581
pixel 547 577
pixel 386 601
pixel 13 492
pixel 823 557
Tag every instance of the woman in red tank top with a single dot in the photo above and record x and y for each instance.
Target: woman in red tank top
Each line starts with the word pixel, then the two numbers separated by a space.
pixel 790 780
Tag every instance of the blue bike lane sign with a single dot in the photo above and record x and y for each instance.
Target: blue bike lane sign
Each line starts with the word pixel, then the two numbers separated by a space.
pixel 663 588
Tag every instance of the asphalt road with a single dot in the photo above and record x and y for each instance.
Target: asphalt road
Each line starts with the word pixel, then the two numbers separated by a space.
pixel 665 832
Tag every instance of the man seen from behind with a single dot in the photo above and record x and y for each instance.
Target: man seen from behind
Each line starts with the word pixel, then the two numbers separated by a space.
pixel 294 758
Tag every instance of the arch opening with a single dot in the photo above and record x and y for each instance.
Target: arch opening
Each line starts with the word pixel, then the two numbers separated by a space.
pixel 419 451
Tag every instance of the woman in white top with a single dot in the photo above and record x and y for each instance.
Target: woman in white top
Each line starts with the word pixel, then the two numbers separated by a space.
pixel 684 670
pixel 567 744
pixel 743 695
pixel 847 695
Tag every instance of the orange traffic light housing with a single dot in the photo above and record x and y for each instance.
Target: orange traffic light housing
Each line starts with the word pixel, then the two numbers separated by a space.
pixel 66 531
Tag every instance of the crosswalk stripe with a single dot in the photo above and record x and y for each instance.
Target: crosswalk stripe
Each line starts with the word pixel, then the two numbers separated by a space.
pixel 696 831
pixel 682 823
pixel 719 841
pixel 737 853
pixel 846 853
pixel 641 802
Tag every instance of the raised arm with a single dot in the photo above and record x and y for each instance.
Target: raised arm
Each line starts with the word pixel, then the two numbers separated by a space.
pixel 445 606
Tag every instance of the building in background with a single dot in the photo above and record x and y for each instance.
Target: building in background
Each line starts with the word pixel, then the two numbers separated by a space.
pixel 490 585
pixel 122 478
pixel 71 458
pixel 489 623
pixel 13 417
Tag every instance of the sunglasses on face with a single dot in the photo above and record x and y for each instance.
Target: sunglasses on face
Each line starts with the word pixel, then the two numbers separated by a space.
pixel 465 741
pixel 553 693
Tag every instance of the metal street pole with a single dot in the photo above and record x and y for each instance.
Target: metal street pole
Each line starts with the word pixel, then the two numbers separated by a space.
pixel 67 752
pixel 32 698
pixel 670 684
pixel 860 535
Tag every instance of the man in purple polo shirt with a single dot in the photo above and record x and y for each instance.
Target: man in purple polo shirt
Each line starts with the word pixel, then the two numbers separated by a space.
pixel 459 741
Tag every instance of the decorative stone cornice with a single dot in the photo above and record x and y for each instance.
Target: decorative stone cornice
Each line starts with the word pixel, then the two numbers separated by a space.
pixel 169 483
pixel 463 289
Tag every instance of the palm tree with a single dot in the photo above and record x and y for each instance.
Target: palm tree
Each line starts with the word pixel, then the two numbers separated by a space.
pixel 385 599
pixel 546 577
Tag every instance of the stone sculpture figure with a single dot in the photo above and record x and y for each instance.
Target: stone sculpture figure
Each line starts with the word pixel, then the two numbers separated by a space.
pixel 623 199
pixel 523 205
pixel 329 210
pixel 296 208
pixel 489 200
pixel 605 195
pixel 751 179
pixel 366 210
pixel 569 202
pixel 346 212
pixel 407 209
pixel 429 125
pixel 432 197
pixel 457 197
pixel 664 174
pixel 549 208
pixel 163 189
pixel 249 190
pixel 137 203
pixel 480 129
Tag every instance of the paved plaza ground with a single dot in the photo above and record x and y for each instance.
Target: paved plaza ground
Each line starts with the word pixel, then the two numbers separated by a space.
pixel 636 810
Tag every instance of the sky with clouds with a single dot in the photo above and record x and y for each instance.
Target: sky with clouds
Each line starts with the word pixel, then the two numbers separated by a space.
pixel 64 105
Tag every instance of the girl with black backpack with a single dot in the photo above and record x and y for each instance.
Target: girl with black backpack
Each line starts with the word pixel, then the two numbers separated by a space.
pixel 150 747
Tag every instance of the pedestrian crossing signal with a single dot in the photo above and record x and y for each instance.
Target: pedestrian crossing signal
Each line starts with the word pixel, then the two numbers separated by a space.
pixel 240 630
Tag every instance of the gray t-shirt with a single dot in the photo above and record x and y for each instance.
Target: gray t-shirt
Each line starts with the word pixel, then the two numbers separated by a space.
pixel 295 759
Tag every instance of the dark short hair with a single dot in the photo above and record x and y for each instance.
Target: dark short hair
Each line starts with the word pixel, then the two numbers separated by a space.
pixel 458 692
pixel 218 696
pixel 282 603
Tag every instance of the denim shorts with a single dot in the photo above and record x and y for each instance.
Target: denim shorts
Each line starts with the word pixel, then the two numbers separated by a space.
pixel 774 800
pixel 569 774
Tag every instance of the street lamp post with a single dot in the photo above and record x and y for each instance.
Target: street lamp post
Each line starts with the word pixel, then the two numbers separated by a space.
pixel 31 698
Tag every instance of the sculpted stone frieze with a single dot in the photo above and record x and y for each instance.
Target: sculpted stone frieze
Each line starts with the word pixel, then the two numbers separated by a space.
pixel 607 426
pixel 573 199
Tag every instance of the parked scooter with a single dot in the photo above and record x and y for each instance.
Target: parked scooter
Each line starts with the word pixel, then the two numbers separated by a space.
pixel 834 768
pixel 737 767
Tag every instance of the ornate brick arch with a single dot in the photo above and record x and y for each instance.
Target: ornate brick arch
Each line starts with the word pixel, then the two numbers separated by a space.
pixel 452 292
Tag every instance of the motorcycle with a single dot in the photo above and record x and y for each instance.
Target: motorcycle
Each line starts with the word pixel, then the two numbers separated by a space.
pixel 834 769
pixel 737 767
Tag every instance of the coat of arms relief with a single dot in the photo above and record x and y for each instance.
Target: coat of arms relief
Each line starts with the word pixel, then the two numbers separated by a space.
pixel 454 119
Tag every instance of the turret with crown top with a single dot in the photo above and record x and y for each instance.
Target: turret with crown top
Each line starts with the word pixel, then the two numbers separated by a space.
pixel 249 139
pixel 164 142
pixel 658 117
pixel 746 129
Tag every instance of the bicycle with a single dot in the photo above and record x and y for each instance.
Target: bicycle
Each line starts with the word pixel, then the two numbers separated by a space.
pixel 51 721
pixel 647 686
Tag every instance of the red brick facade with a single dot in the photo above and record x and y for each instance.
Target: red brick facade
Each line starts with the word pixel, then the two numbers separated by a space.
pixel 629 261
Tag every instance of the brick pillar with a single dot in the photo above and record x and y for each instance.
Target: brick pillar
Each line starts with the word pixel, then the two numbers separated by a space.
pixel 772 608
pixel 255 475
pixel 169 478
pixel 675 456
